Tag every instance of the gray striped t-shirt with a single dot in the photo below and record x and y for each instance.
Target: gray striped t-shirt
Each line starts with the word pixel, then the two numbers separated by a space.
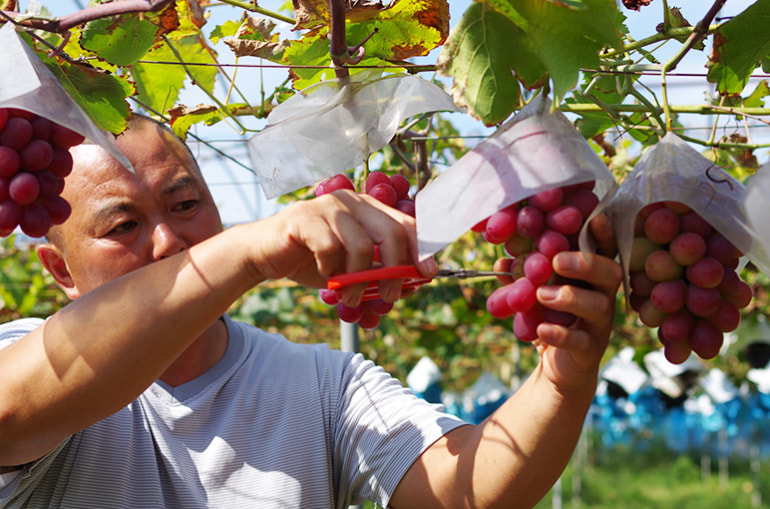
pixel 272 425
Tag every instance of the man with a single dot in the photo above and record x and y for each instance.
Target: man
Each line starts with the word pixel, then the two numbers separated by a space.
pixel 142 393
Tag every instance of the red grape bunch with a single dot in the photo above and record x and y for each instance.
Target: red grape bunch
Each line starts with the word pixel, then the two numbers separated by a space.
pixel 392 191
pixel 684 281
pixel 533 231
pixel 34 160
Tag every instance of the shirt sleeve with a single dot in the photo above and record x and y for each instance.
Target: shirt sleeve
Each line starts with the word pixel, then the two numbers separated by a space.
pixel 382 429
pixel 11 331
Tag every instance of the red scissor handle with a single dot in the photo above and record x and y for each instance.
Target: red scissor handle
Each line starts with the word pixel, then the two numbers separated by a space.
pixel 410 275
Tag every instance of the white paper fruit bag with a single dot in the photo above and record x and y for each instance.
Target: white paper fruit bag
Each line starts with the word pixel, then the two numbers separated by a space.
pixel 535 151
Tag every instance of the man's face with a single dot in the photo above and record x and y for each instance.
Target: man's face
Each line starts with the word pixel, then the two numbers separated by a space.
pixel 120 221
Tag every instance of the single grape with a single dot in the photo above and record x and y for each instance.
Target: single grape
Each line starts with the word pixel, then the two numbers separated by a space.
pixel 61 163
pixel 407 206
pixel 10 215
pixel 557 317
pixel 706 273
pixel 17 133
pixel 401 185
pixel 480 227
pixel 48 182
pixel 676 352
pixel 677 207
pixel 538 268
pixel 564 219
pixel 35 220
pixel 350 314
pixel 42 128
pixel 329 297
pixel 501 225
pixel 727 317
pixel 369 319
pixel 693 222
pixel 660 266
pixel 584 200
pixel 677 327
pixel 661 226
pixel 379 306
pixel 687 248
pixel 64 137
pixel 37 155
pixel 525 323
pixel 335 183
pixel 705 339
pixel 741 295
pixel 384 193
pixel 521 295
pixel 530 222
pixel 518 245
pixel 703 301
pixel 10 162
pixel 497 303
pixel 640 250
pixel 669 296
pixel 635 300
pixel 721 249
pixel 641 284
pixel 58 208
pixel 24 188
pixel 550 243
pixel 650 315
pixel 547 200
pixel 642 215
pixel 376 178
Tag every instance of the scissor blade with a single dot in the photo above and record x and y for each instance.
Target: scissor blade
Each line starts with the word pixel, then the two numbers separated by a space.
pixel 463 273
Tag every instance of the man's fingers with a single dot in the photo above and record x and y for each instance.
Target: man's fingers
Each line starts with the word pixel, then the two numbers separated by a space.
pixel 600 272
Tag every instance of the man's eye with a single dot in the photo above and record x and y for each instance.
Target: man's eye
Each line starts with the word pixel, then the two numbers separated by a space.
pixel 185 205
pixel 123 228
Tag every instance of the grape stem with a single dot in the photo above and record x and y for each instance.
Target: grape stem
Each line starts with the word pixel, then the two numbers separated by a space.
pixel 64 23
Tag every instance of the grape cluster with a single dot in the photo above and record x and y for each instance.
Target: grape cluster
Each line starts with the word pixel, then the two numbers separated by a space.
pixel 533 231
pixel 684 281
pixel 392 191
pixel 34 160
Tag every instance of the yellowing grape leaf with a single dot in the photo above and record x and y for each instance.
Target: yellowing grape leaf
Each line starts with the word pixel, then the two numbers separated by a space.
pixel 405 29
pixel 738 48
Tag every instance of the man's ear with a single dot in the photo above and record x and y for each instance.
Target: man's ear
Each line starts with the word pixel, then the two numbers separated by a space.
pixel 53 261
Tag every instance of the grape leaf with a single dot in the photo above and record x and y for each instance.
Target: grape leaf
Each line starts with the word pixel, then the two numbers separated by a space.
pixel 158 84
pixel 738 48
pixel 122 40
pixel 405 29
pixel 226 29
pixel 101 95
pixel 481 65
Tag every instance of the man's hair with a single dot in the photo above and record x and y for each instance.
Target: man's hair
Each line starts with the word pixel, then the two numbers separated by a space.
pixel 135 125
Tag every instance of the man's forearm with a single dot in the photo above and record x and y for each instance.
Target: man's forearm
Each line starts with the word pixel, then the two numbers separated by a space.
pixel 105 348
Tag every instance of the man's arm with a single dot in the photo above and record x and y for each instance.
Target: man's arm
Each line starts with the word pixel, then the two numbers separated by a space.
pixel 104 349
pixel 514 457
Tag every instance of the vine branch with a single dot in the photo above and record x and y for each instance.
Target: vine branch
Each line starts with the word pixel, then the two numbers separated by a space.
pixel 64 23
pixel 699 32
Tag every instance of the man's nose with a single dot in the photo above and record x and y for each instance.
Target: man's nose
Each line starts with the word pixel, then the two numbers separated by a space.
pixel 166 241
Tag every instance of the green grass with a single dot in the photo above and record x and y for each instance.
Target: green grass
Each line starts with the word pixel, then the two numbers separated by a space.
pixel 657 479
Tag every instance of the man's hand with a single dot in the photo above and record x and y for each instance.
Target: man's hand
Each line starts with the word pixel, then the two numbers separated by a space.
pixel 333 234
